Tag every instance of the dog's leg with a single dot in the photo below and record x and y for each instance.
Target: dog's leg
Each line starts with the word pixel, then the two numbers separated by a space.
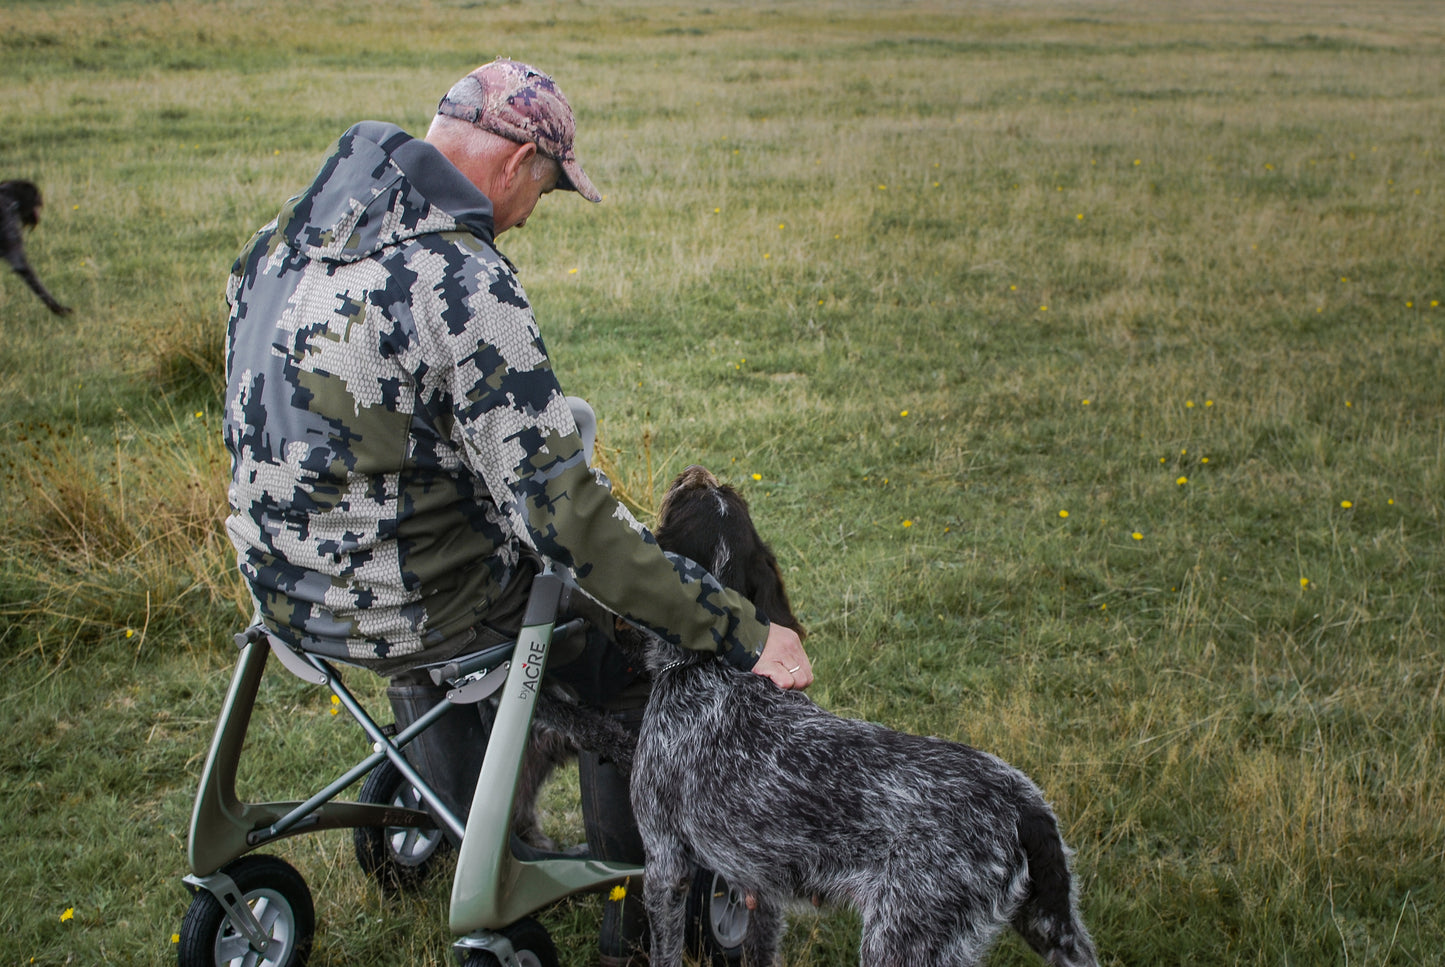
pixel 665 886
pixel 765 934
pixel 546 750
pixel 901 934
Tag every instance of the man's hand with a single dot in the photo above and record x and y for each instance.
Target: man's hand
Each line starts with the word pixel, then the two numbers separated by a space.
pixel 783 659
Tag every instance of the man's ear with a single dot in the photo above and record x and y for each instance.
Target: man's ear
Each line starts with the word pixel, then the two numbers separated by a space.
pixel 521 155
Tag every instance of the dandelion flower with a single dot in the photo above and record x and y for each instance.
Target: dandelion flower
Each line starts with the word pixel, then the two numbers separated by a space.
pixel 335 705
pixel 757 476
pixel 908 523
pixel 1063 513
pixel 69 914
pixel 1137 536
pixel 199 414
pixel 1084 403
pixel 130 632
pixel 1304 582
pixel 571 271
pixel 1346 504
pixel 904 413
pixel 1189 404
pixel 618 894
pixel 1182 481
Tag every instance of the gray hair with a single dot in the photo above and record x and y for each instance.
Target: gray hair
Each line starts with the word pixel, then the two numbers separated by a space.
pixel 484 144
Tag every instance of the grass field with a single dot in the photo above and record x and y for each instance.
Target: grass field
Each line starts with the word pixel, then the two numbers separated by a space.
pixel 1080 359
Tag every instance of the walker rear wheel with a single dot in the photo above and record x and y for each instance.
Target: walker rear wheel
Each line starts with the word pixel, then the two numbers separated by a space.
pixel 279 900
pixel 397 857
pixel 717 920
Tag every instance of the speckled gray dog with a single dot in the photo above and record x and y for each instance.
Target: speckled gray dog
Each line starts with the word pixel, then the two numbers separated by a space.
pixel 938 845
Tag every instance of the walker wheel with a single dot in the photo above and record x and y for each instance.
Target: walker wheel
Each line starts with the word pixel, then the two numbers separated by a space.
pixel 717 920
pixel 397 857
pixel 280 901
pixel 529 940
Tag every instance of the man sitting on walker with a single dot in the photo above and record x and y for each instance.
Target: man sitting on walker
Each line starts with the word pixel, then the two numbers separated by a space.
pixel 403 458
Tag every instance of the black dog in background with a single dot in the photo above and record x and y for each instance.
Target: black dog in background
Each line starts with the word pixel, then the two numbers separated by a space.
pixel 20 205
pixel 939 846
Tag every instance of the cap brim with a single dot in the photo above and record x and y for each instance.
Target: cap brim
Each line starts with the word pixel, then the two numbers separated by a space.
pixel 576 179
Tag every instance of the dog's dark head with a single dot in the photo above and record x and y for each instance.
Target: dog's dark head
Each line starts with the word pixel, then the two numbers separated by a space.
pixel 708 522
pixel 26 198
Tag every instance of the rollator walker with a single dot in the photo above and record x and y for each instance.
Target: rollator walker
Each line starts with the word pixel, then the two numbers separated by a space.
pixel 255 910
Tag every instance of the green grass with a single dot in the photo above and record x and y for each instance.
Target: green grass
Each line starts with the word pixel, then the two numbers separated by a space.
pixel 818 216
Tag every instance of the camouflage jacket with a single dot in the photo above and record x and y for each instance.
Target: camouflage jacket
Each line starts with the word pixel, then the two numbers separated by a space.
pixel 397 433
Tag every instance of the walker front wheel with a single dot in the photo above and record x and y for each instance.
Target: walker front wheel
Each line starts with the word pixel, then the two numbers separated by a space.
pixel 530 942
pixel 279 900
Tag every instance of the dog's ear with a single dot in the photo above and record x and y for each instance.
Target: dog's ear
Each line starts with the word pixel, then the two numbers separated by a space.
pixel 763 586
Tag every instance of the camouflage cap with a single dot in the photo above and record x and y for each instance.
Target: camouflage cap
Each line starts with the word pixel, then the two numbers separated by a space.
pixel 521 104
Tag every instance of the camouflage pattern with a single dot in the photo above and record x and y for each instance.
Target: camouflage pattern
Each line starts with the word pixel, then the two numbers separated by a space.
pixel 397 433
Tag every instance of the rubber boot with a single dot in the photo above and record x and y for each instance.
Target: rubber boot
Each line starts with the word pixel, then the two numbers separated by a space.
pixel 449 754
pixel 612 835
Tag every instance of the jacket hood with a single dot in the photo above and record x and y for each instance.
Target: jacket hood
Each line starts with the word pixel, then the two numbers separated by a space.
pixel 378 187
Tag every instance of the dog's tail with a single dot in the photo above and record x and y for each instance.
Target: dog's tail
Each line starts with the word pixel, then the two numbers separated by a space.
pixel 1048 918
